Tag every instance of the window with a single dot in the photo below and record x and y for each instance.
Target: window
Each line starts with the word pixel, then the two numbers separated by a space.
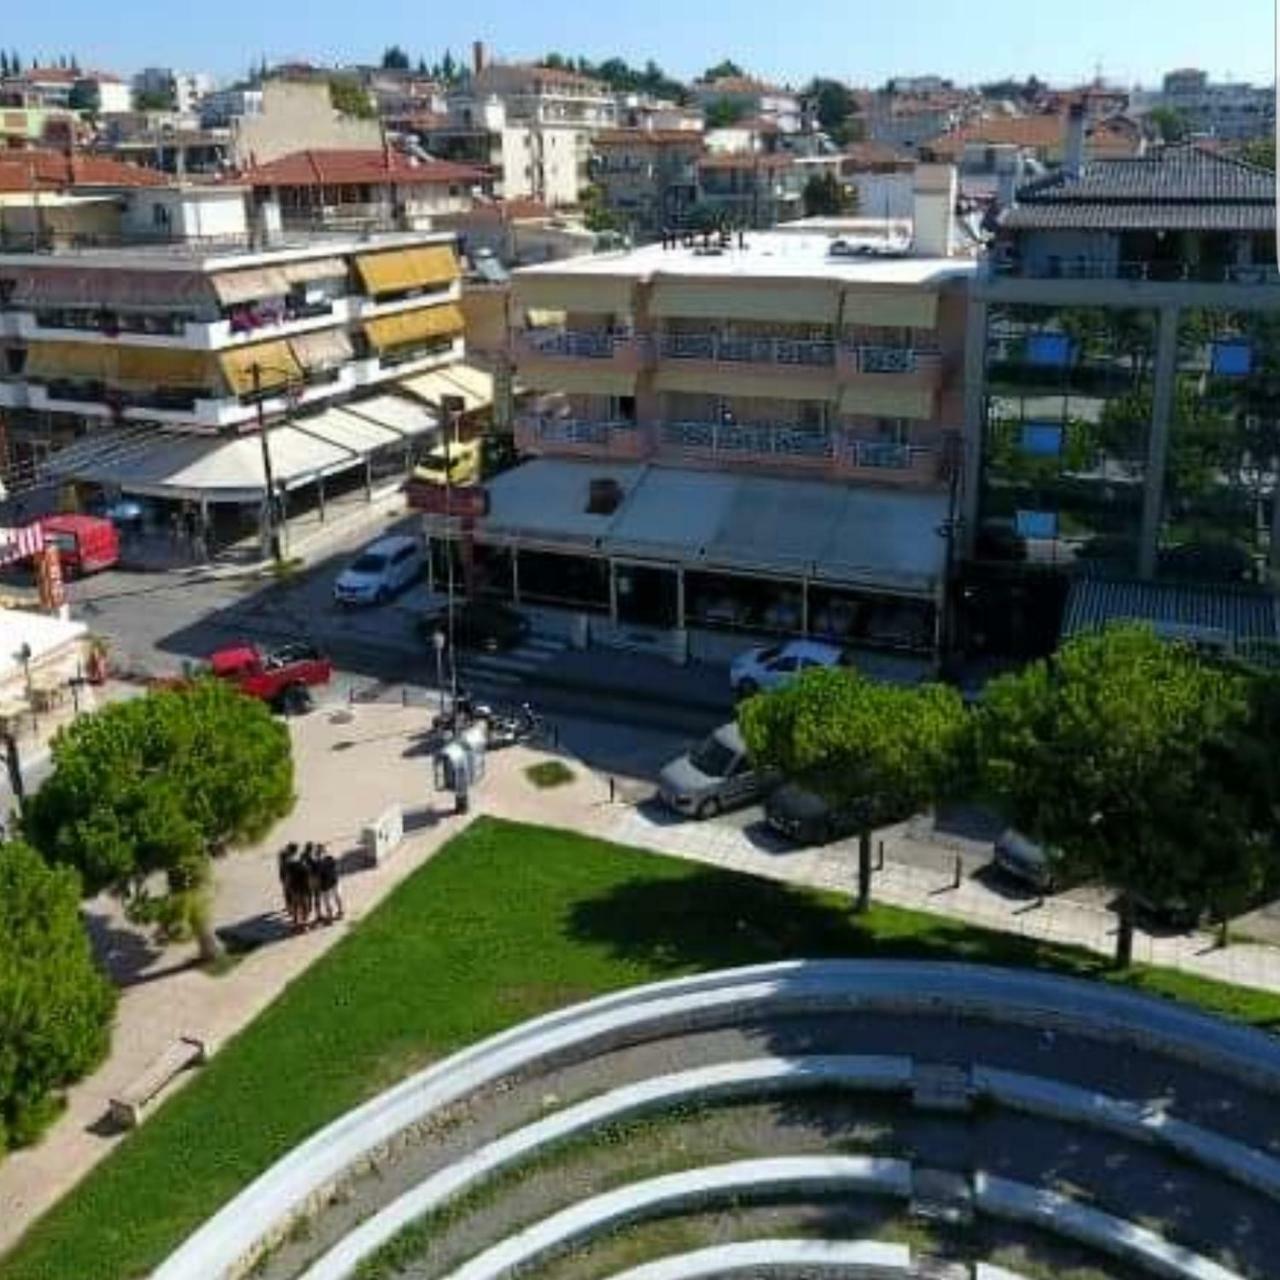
pixel 784 665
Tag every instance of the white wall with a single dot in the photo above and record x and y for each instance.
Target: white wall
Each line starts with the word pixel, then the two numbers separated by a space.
pixel 297 116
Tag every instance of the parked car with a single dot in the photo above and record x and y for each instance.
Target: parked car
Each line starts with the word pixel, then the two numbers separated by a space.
pixel 716 775
pixel 85 544
pixel 489 625
pixel 804 817
pixel 1022 859
pixel 458 463
pixel 778 664
pixel 284 677
pixel 380 571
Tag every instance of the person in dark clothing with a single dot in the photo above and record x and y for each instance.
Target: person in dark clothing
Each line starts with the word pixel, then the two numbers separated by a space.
pixel 330 896
pixel 284 865
pixel 311 866
pixel 299 891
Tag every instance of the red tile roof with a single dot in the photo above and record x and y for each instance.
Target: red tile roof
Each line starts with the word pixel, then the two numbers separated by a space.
pixel 1044 132
pixel 634 137
pixel 58 171
pixel 737 84
pixel 317 168
pixel 747 160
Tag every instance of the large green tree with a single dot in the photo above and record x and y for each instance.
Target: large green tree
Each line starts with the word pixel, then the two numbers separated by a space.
pixel 55 1004
pixel 143 793
pixel 880 751
pixel 833 105
pixel 394 58
pixel 1108 750
pixel 726 69
pixel 348 96
pixel 825 196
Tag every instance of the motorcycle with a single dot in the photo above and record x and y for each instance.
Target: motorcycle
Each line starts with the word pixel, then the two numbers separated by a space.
pixel 512 730
pixel 464 712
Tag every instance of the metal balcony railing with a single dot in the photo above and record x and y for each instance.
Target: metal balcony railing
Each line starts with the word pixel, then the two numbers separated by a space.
pixel 880 455
pixel 578 344
pixel 576 430
pixel 804 352
pixel 771 440
pixel 1084 268
pixel 871 359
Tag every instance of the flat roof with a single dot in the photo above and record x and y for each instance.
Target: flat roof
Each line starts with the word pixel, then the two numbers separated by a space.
pixel 857 535
pixel 777 255
pixel 190 256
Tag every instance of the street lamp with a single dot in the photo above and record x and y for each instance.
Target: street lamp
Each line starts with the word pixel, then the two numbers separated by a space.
pixel 268 473
pixel 438 641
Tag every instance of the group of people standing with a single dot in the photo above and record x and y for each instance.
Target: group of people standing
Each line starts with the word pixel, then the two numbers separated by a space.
pixel 309 882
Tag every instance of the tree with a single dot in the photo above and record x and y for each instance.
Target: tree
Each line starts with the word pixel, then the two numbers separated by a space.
pixel 554 62
pixel 422 66
pixel 154 100
pixel 84 96
pixel 4 65
pixel 449 71
pixel 880 751
pixel 825 196
pixel 349 97
pixel 1106 752
pixel 1167 123
pixel 724 113
pixel 153 788
pixel 1260 152
pixel 55 1004
pixel 833 105
pixel 726 70
pixel 394 58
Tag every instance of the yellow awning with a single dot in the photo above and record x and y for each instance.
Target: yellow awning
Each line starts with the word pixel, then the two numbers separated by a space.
pixel 759 384
pixel 232 287
pixel 887 402
pixel 90 361
pixel 597 382
pixel 796 302
pixel 323 349
pixel 576 291
pixel 314 269
pixel 163 367
pixel 414 326
pixel 277 367
pixel 890 308
pixel 400 270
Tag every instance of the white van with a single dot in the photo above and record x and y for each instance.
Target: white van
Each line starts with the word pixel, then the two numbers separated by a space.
pixel 382 570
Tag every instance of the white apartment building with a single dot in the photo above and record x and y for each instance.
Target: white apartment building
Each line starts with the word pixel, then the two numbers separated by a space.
pixel 145 368
pixel 1232 111
pixel 187 88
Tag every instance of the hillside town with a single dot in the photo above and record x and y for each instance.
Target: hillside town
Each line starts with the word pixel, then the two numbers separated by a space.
pixel 612 674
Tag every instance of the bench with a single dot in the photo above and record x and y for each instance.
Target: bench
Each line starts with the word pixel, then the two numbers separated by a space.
pixel 184 1052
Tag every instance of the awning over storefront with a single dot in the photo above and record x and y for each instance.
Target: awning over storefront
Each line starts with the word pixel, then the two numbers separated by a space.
pixel 582 381
pixel 85 287
pixel 475 386
pixel 314 269
pixel 85 360
pixel 232 287
pixel 604 295
pixel 419 325
pixel 147 462
pixel 840 535
pixel 887 402
pixel 119 365
pixel 401 270
pixel 890 308
pixel 799 302
pixel 324 349
pixel 779 384
pixel 275 362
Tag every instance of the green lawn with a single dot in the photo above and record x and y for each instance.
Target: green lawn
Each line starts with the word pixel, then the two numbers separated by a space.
pixel 506 922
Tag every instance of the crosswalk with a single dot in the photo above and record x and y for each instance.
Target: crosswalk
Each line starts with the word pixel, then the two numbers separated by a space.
pixel 513 666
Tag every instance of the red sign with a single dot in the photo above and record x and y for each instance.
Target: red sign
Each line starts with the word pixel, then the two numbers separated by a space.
pixel 21 544
pixel 466 502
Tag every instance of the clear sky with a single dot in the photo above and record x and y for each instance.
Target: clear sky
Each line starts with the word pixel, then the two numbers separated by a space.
pixel 865 41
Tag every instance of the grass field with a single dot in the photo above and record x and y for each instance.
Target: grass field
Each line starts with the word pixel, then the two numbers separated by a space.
pixel 506 922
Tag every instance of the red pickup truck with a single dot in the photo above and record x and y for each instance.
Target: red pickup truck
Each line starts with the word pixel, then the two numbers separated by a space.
pixel 284 677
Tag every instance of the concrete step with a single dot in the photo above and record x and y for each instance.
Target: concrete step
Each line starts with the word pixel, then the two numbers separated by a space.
pixel 939 1086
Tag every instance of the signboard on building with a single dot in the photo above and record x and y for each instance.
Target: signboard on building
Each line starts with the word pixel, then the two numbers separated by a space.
pixel 20 544
pixel 464 502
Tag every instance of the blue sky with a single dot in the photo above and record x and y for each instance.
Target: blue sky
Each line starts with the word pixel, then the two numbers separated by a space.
pixel 1063 40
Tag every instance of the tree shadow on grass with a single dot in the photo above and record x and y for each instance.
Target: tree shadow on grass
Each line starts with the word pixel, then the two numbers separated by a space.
pixel 713 918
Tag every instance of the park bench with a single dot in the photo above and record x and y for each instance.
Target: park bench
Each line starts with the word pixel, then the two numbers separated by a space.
pixel 184 1052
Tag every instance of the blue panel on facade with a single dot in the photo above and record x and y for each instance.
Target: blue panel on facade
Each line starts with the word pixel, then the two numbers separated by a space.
pixel 1049 348
pixel 1232 359
pixel 1036 524
pixel 1042 439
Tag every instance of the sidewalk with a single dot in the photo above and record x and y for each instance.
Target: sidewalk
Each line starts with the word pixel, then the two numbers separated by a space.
pixel 354 762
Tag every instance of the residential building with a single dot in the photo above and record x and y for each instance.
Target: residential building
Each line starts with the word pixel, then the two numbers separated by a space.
pixel 223 107
pixel 167 142
pixel 30 126
pixel 103 94
pixel 749 97
pixel 750 189
pixel 1120 379
pixel 648 177
pixel 382 188
pixel 294 115
pixel 751 432
pixel 1039 138
pixel 184 89
pixel 1230 111
pixel 907 122
pixel 146 366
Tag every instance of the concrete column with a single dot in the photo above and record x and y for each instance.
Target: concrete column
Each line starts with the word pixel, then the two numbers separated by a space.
pixel 613 593
pixel 515 576
pixel 975 389
pixel 320 497
pixel 680 596
pixel 431 565
pixel 368 479
pixel 804 606
pixel 1165 373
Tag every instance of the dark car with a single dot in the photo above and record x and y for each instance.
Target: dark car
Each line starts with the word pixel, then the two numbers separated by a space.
pixel 806 818
pixel 478 624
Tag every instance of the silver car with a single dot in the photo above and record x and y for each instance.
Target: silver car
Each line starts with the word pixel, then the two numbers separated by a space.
pixel 716 775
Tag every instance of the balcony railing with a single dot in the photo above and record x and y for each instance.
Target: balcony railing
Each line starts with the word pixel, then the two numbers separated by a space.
pixel 579 344
pixel 759 440
pixel 879 455
pixel 618 438
pixel 1084 268
pixel 747 350
pixel 870 359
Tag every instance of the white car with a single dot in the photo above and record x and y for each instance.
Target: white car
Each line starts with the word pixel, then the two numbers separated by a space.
pixel 772 667
pixel 382 570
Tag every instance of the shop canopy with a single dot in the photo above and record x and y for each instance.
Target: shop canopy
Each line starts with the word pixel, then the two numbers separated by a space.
pixel 475 386
pixel 37 287
pixel 143 461
pixel 718 521
pixel 403 270
pixel 419 325
pixel 276 365
pixel 232 287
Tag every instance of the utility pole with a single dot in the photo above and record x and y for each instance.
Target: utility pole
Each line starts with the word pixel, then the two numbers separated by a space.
pixel 453 414
pixel 268 475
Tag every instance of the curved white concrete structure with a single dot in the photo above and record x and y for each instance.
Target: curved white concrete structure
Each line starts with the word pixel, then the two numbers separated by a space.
pixel 743 1179
pixel 756 1077
pixel 263 1211
pixel 869 1259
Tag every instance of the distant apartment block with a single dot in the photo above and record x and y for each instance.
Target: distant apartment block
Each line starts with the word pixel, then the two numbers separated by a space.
pixel 1231 111
pixel 752 99
pixel 648 177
